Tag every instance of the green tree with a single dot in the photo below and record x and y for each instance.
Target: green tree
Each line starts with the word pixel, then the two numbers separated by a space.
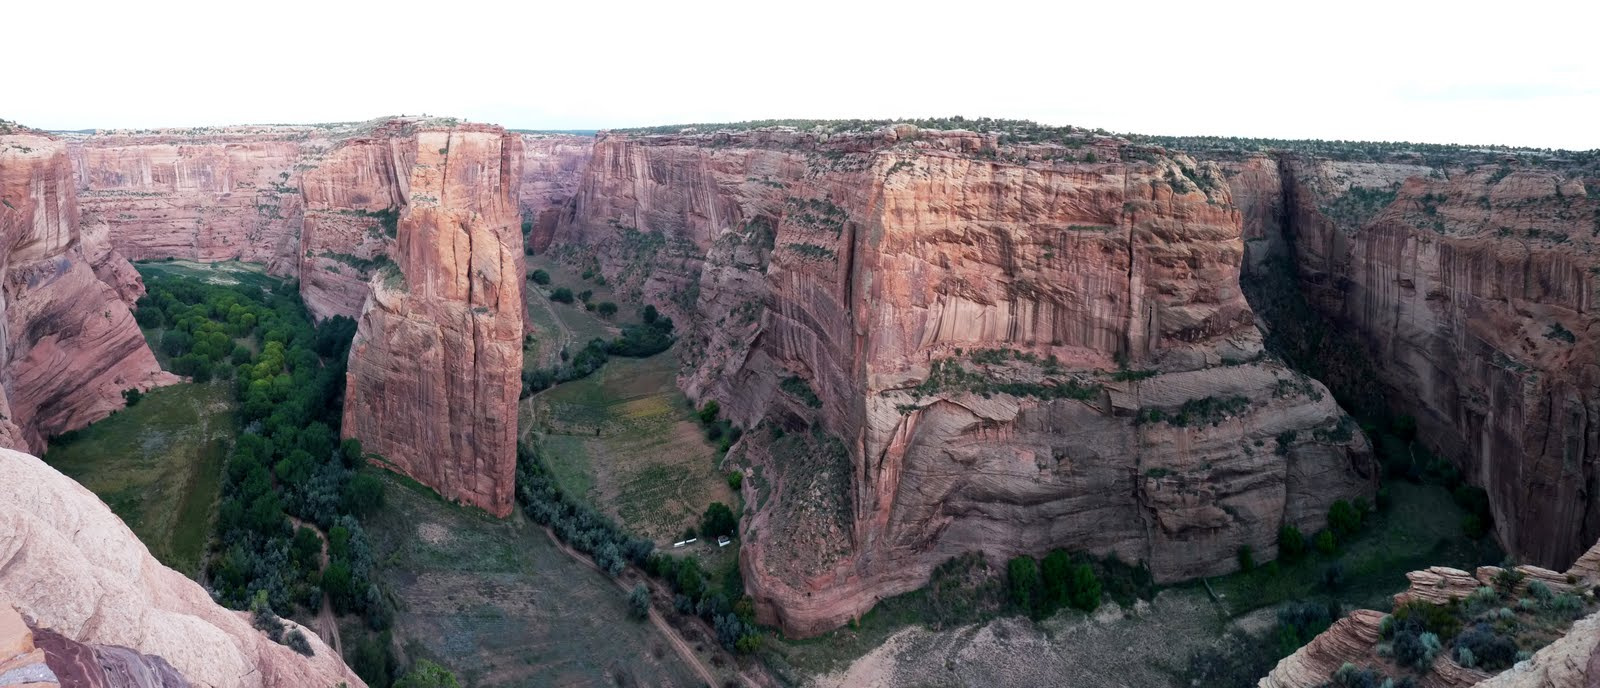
pixel 718 521
pixel 1291 544
pixel 426 674
pixel 709 412
pixel 606 308
pixel 364 494
pixel 540 277
pixel 1343 519
pixel 1022 578
pixel 1326 543
pixel 1055 571
pixel 649 315
pixel 639 601
pixel 735 480
pixel 1085 588
pixel 561 295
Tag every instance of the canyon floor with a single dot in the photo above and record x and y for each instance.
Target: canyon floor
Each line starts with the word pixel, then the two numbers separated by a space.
pixel 499 604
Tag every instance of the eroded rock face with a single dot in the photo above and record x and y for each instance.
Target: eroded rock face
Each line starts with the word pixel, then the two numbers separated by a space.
pixel 435 368
pixel 71 346
pixel 1572 660
pixel 956 311
pixel 69 565
pixel 1472 288
pixel 431 370
pixel 202 194
pixel 552 168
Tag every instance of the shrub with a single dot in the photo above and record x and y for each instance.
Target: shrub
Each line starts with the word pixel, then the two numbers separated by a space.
pixel 1247 558
pixel 540 277
pixel 561 295
pixel 606 308
pixel 1565 606
pixel 1415 650
pixel 585 295
pixel 639 601
pixel 708 413
pixel 297 642
pixel 649 314
pixel 1438 619
pixel 1326 543
pixel 132 395
pixel 1291 544
pixel 426 674
pixel 1343 519
pixel 1486 649
pixel 1540 591
pixel 735 480
pixel 1084 588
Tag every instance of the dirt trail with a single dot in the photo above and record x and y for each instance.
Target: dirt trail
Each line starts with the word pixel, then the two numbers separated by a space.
pixel 672 635
pixel 550 356
pixel 327 625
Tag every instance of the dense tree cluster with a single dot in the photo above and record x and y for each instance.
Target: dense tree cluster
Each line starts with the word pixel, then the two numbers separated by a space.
pixel 1061 580
pixel 288 461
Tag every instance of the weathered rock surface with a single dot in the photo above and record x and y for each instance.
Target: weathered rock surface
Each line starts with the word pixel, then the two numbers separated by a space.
pixel 326 204
pixel 552 168
pixel 1571 661
pixel 40 657
pixel 435 369
pixel 877 268
pixel 68 564
pixel 1472 288
pixel 71 346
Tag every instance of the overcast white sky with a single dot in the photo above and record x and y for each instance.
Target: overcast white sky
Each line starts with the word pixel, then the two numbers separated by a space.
pixel 1519 72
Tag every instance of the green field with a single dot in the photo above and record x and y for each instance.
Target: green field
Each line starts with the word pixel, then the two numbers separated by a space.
pixel 224 272
pixel 158 464
pixel 498 604
pixel 625 439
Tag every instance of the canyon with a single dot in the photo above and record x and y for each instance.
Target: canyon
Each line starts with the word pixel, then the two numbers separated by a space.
pixel 409 225
pixel 1007 348
pixel 1469 283
pixel 934 341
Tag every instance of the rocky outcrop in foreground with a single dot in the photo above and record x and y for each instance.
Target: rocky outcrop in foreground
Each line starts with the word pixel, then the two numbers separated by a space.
pixel 1571 661
pixel 1471 285
pixel 40 657
pixel 435 369
pixel 70 566
pixel 941 343
pixel 70 344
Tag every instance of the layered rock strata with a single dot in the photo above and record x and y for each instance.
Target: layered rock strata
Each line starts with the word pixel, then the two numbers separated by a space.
pixel 1472 288
pixel 70 344
pixel 998 348
pixel 435 368
pixel 70 566
pixel 1572 660
pixel 552 168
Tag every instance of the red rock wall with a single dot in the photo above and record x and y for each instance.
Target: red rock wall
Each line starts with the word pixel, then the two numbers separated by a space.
pixel 552 168
pixel 71 346
pixel 435 368
pixel 1457 288
pixel 857 261
pixel 207 194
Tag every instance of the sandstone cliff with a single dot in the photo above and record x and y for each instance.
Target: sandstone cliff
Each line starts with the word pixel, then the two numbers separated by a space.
pixel 70 344
pixel 1472 287
pixel 552 168
pixel 69 565
pixel 201 194
pixel 952 313
pixel 435 367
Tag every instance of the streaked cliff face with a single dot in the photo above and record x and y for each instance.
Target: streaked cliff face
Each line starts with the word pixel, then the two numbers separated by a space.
pixel 71 345
pixel 435 369
pixel 1473 290
pixel 959 309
